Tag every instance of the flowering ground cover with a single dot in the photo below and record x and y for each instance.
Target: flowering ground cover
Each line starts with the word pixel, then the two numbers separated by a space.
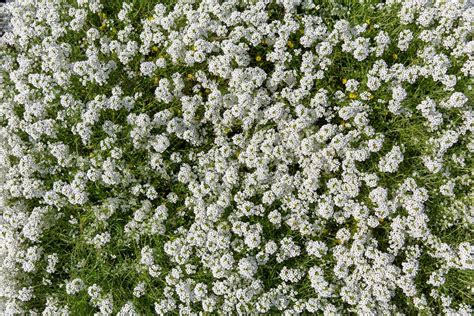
pixel 237 157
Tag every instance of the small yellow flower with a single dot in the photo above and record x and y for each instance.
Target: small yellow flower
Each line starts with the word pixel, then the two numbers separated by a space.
pixel 190 76
pixel 395 56
pixel 193 48
pixel 258 58
pixel 150 18
pixel 155 49
pixel 290 44
pixel 344 80
pixel 352 95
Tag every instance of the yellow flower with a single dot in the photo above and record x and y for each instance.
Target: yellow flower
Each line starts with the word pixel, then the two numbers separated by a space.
pixel 352 95
pixel 258 58
pixel 395 56
pixel 155 49
pixel 150 18
pixel 344 80
pixel 193 48
pixel 290 44
pixel 190 76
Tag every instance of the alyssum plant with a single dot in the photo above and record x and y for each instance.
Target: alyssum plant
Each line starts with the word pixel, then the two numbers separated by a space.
pixel 237 157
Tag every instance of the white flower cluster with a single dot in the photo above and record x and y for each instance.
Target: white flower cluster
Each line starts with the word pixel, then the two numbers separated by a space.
pixel 236 157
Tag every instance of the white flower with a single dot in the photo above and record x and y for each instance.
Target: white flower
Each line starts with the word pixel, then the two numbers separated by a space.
pixel 52 261
pixel 100 240
pixel 160 143
pixel 127 310
pixel 316 248
pixel 25 294
pixel 361 48
pixel 139 289
pixel 404 39
pixel 247 267
pixel 391 161
pixel 147 68
pixel 352 85
pixel 74 286
pixel 447 189
pixel 162 92
pixel 291 275
pixel 436 278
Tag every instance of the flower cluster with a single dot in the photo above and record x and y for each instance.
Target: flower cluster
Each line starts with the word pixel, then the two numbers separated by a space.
pixel 236 157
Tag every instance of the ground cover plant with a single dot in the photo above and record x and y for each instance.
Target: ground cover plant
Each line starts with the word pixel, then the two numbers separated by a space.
pixel 236 157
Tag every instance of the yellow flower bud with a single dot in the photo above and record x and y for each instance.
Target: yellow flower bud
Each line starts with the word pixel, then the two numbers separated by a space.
pixel 344 80
pixel 290 44
pixel 258 58
pixel 352 95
